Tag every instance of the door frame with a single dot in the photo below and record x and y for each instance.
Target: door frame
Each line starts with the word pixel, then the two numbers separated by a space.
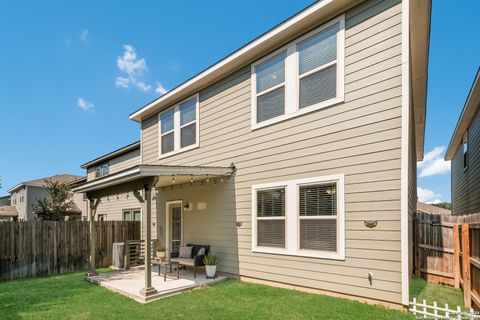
pixel 168 221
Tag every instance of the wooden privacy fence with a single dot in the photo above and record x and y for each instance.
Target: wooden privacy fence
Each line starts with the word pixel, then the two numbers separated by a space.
pixel 40 248
pixel 447 250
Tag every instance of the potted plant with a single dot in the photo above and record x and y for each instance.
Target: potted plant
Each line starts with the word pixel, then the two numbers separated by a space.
pixel 211 262
pixel 161 252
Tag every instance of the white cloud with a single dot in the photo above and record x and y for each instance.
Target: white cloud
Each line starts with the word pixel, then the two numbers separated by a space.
pixel 433 163
pixel 84 36
pixel 68 42
pixel 133 68
pixel 428 196
pixel 85 104
pixel 160 89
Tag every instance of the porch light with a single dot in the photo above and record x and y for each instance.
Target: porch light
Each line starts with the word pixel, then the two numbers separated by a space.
pixel 191 178
pixel 186 206
pixel 173 179
pixel 208 179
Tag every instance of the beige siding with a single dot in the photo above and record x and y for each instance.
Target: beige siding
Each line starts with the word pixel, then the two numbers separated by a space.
pixel 466 183
pixel 117 164
pixel 412 187
pixel 360 138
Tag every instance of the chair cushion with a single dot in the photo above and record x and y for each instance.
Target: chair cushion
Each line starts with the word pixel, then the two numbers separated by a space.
pixel 201 252
pixel 185 252
pixel 185 262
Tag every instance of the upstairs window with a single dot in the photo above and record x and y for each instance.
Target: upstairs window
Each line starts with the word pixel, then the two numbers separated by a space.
pixel 305 75
pixel 465 151
pixel 179 127
pixel 102 170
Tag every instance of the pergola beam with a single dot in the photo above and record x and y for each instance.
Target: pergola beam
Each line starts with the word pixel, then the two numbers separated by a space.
pixel 93 205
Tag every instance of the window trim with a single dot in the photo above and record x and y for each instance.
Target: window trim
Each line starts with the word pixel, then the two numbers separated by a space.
pixel 292 78
pixel 100 167
pixel 292 217
pixel 177 128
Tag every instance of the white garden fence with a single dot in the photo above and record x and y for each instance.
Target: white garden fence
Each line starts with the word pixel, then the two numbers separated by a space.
pixel 423 310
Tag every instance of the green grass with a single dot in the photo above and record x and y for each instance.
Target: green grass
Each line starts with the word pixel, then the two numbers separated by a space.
pixel 421 289
pixel 69 296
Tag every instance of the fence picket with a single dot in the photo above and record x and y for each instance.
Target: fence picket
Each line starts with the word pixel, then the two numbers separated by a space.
pixel 40 248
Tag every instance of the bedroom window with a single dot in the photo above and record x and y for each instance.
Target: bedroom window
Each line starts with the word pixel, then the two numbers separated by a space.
pixel 102 170
pixel 305 75
pixel 302 217
pixel 179 127
pixel 132 215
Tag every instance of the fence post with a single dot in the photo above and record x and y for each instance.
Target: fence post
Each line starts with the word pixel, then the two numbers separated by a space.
pixel 466 266
pixel 416 245
pixel 456 256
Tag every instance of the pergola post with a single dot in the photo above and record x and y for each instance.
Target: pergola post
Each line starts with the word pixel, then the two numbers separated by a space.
pixel 147 290
pixel 93 235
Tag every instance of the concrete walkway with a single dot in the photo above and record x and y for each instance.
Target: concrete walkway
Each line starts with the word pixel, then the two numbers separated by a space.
pixel 130 282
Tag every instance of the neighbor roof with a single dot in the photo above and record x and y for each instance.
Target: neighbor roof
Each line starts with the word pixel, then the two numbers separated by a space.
pixel 430 208
pixel 307 19
pixel 8 211
pixel 472 104
pixel 113 154
pixel 63 178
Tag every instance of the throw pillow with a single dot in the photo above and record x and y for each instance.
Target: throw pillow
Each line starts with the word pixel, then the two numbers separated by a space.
pixel 201 252
pixel 185 252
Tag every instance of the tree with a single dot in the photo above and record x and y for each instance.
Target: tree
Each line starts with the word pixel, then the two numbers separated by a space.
pixel 58 204
pixel 444 205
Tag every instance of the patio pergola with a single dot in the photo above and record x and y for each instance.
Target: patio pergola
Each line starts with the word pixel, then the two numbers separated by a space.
pixel 149 176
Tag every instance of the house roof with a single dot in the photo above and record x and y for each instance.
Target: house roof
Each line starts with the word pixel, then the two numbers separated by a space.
pixel 305 20
pixel 8 211
pixel 470 108
pixel 63 178
pixel 430 208
pixel 113 154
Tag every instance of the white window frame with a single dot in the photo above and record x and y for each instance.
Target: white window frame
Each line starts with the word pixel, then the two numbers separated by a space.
pixel 292 217
pixel 177 128
pixel 292 78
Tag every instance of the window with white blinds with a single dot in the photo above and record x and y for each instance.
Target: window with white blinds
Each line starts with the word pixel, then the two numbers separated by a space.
pixel 179 127
pixel 271 218
pixel 302 217
pixel 305 75
pixel 318 217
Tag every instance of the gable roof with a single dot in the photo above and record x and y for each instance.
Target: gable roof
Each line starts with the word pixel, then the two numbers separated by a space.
pixel 113 154
pixel 63 178
pixel 470 108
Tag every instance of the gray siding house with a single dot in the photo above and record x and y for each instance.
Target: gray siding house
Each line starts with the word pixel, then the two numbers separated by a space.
pixel 464 152
pixel 24 195
pixel 294 157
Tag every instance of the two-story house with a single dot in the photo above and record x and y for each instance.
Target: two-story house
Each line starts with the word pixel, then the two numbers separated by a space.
pixel 464 153
pixel 294 157
pixel 24 195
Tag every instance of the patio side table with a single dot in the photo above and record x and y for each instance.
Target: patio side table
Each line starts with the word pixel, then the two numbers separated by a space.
pixel 166 264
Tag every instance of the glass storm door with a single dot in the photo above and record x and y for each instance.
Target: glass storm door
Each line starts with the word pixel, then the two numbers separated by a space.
pixel 176 227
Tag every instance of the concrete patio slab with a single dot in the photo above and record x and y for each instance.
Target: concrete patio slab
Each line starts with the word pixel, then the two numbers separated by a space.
pixel 130 282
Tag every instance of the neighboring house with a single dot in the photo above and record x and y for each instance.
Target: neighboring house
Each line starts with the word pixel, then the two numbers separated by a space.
pixel 7 212
pixel 120 204
pixel 323 119
pixel 5 201
pixel 464 153
pixel 25 195
pixel 431 209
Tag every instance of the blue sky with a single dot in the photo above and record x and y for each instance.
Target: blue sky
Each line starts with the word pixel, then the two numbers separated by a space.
pixel 74 71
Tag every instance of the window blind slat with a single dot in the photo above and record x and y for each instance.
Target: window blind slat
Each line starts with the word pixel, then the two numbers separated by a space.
pixel 318 200
pixel 271 233
pixel 318 50
pixel 318 234
pixel 271 72
pixel 318 87
pixel 167 143
pixel 271 104
pixel 167 121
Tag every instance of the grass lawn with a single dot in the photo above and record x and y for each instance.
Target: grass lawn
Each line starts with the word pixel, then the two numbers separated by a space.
pixel 70 297
pixel 421 289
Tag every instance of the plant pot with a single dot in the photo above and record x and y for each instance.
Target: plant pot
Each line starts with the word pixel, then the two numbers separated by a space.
pixel 211 270
pixel 161 254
